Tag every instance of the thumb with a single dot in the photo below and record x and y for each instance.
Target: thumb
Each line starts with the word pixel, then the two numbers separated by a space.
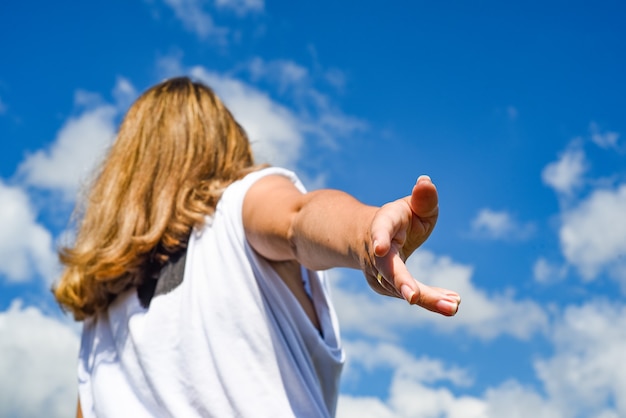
pixel 424 199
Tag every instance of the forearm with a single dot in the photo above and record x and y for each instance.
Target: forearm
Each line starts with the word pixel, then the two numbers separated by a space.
pixel 331 229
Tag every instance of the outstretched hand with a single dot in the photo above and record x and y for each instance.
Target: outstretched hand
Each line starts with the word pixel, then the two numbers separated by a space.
pixel 398 229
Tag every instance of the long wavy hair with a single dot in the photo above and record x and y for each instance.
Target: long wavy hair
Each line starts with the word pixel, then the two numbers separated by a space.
pixel 177 149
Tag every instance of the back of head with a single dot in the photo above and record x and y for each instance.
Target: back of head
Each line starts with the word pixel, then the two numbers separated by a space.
pixel 177 148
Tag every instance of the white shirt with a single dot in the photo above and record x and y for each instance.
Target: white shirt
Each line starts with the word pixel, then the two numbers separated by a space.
pixel 231 340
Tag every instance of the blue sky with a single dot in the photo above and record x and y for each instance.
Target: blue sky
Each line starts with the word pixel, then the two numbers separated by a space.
pixel 515 109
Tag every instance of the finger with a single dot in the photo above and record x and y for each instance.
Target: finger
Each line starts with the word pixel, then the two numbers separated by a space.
pixel 434 300
pixel 388 225
pixel 402 279
pixel 438 300
pixel 424 199
pixel 388 286
pixel 382 287
pixel 384 274
pixel 392 217
pixel 395 278
pixel 449 293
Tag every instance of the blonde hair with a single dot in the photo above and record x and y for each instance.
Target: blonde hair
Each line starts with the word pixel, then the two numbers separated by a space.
pixel 177 148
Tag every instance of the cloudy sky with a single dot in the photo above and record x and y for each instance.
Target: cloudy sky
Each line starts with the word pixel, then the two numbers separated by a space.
pixel 515 109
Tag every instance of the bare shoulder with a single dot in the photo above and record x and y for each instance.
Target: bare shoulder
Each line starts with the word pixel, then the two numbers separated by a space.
pixel 270 185
pixel 268 210
pixel 271 193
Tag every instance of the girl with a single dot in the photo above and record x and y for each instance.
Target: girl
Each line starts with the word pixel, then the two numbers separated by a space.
pixel 199 275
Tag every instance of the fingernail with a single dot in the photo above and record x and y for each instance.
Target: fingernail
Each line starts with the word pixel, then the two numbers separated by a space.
pixel 407 293
pixel 375 244
pixel 454 296
pixel 447 307
pixel 423 177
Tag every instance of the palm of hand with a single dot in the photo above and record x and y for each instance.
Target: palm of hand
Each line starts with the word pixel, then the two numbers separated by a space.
pixel 397 230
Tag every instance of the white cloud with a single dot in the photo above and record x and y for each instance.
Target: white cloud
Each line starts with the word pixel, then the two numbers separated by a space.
pixel 241 7
pixel 25 245
pixel 170 65
pixel 482 315
pixel 124 93
pixel 195 19
pixel 603 139
pixel 274 130
pixel 593 234
pixel 285 73
pixel 277 131
pixel 513 400
pixel 587 373
pixel 412 392
pixel 389 356
pixel 73 155
pixel 566 174
pixel 363 407
pixel 585 376
pixel 37 365
pixel 545 271
pixel 409 399
pixel 87 99
pixel 336 78
pixel 500 225
pixel 332 123
pixel 319 116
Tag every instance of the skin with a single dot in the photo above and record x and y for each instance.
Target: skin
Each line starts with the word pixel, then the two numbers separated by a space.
pixel 329 228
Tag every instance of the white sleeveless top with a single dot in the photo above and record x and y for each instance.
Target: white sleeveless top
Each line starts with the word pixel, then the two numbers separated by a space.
pixel 230 340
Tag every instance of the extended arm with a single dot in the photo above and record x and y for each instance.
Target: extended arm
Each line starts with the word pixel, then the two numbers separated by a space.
pixel 329 228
